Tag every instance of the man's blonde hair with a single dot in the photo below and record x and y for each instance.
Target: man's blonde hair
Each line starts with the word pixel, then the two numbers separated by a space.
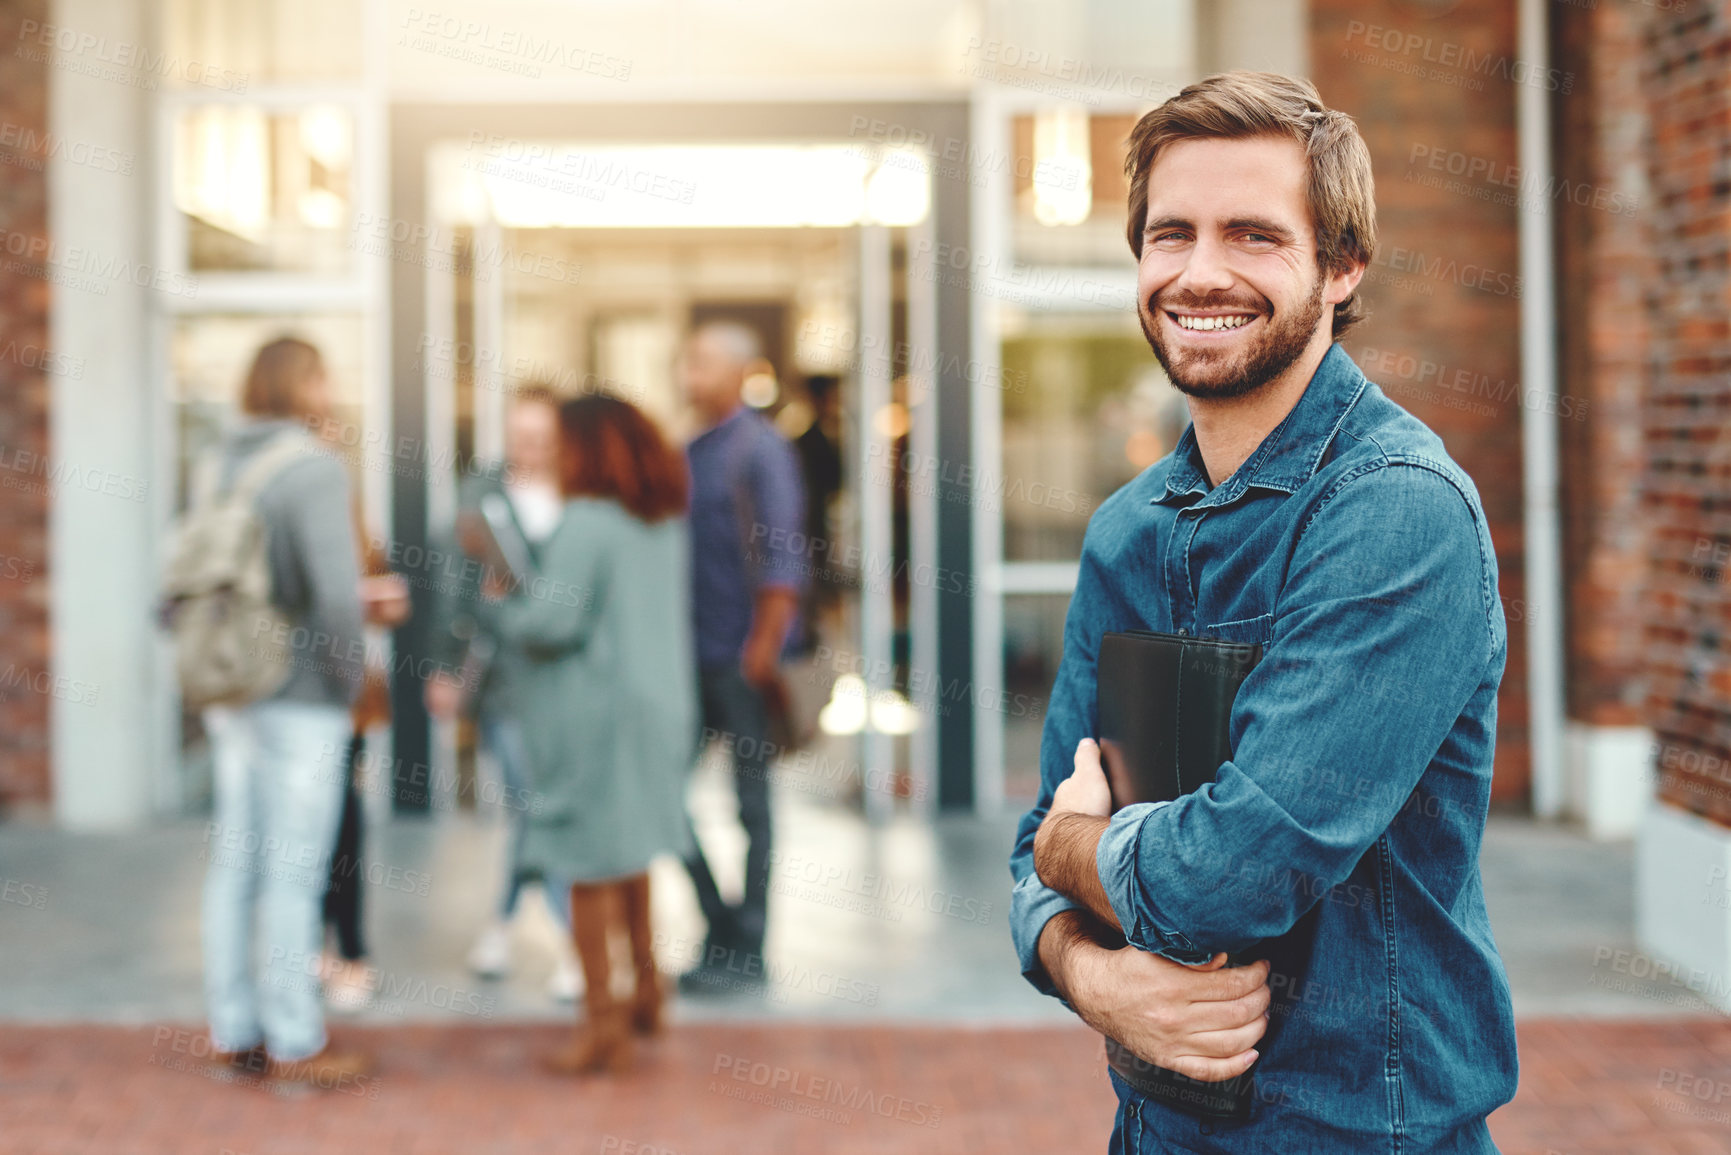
pixel 1239 105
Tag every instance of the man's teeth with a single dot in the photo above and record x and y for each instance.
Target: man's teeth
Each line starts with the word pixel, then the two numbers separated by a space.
pixel 1232 322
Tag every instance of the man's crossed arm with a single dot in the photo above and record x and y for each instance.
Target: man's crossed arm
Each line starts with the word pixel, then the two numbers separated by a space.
pixel 1067 846
pixel 1199 1021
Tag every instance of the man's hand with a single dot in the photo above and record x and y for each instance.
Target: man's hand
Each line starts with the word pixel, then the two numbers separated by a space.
pixel 773 609
pixel 1085 790
pixel 1068 840
pixel 760 660
pixel 1203 1022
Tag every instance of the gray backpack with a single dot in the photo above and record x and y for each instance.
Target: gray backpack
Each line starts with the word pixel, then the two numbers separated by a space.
pixel 231 641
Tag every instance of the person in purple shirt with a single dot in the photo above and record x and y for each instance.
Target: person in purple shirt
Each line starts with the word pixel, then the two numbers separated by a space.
pixel 747 513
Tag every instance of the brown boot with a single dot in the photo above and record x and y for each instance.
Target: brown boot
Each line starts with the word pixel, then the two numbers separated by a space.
pixel 250 1063
pixel 646 1002
pixel 602 1042
pixel 329 1070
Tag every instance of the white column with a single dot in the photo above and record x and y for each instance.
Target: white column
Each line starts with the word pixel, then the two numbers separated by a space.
pixel 439 382
pixel 877 539
pixel 1542 530
pixel 989 228
pixel 922 401
pixel 107 752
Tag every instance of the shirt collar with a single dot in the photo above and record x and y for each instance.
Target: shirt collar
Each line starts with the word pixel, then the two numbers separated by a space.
pixel 731 421
pixel 1290 454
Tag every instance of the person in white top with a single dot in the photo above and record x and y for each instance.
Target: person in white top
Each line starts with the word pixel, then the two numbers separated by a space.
pixel 527 478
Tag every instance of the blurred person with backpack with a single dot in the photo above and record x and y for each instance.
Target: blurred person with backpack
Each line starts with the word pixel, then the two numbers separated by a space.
pixel 608 700
pixel 479 673
pixel 262 594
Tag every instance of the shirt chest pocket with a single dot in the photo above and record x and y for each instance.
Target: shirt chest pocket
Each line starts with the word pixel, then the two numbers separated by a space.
pixel 1258 630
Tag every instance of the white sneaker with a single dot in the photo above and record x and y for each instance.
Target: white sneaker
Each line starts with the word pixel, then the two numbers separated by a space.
pixel 490 957
pixel 565 983
pixel 350 986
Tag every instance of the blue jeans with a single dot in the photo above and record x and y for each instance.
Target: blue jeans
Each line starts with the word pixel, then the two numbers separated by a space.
pixel 502 735
pixel 734 710
pixel 279 793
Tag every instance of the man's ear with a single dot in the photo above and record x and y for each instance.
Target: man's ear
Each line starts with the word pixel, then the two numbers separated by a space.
pixel 1342 282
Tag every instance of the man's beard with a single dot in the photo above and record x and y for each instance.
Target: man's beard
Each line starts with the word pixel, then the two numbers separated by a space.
pixel 1218 374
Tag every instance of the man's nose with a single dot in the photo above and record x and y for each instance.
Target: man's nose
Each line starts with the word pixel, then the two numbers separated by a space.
pixel 1206 271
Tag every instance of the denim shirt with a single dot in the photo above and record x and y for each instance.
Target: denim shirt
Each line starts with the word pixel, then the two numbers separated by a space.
pixel 1343 835
pixel 747 529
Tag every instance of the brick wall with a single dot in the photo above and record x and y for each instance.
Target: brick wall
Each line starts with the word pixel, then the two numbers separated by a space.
pixel 1605 273
pixel 24 502
pixel 1686 499
pixel 1432 87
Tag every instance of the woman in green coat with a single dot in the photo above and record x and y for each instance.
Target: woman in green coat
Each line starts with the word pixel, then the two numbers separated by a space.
pixel 608 702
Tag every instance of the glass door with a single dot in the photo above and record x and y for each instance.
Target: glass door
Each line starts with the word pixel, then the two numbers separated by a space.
pixel 265 187
pixel 595 296
pixel 1079 408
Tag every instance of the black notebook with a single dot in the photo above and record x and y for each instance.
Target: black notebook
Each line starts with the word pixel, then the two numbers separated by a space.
pixel 1165 704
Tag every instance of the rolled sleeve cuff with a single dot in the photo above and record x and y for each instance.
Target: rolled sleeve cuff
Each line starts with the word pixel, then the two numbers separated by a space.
pixel 1116 859
pixel 1032 905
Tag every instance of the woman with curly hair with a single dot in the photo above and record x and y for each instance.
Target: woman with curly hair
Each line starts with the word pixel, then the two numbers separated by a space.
pixel 609 703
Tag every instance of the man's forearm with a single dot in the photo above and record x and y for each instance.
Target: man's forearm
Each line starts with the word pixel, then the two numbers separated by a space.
pixel 772 612
pixel 1069 946
pixel 1065 852
pixel 1064 934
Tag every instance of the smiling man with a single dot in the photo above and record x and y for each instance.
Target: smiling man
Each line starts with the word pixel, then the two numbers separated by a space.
pixel 1306 512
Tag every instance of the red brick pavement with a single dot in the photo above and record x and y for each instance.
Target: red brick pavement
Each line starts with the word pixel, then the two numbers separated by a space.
pixel 1586 1089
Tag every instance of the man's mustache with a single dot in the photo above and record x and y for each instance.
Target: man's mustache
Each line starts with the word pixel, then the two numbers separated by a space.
pixel 1191 301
